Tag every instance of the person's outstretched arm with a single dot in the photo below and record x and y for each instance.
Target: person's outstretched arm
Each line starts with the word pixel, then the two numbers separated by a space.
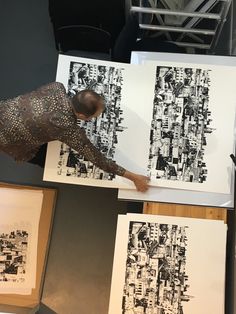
pixel 77 139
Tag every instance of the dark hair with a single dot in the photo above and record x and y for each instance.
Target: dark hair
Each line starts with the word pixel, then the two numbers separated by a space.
pixel 87 102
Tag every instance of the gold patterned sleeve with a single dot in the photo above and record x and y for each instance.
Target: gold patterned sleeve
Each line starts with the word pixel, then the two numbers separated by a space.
pixel 76 138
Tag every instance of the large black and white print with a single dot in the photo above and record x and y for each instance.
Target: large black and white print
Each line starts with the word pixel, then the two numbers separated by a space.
pixel 107 81
pixel 156 280
pixel 13 255
pixel 168 265
pixel 181 124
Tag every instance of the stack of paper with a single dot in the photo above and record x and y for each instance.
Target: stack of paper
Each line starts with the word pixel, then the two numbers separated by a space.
pixel 20 214
pixel 168 265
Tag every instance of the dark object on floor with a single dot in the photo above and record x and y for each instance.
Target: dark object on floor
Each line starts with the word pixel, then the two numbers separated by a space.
pixel 107 15
pixel 83 37
pixel 128 41
pixel 40 157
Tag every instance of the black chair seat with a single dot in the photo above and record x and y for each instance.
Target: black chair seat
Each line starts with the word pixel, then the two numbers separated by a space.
pixel 83 37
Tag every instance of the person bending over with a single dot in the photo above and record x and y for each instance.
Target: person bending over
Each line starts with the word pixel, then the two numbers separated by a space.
pixel 46 114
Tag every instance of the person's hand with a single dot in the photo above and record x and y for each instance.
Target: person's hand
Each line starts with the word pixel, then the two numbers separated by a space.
pixel 140 181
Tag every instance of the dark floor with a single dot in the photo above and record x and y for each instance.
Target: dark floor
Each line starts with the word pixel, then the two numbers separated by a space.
pixel 80 259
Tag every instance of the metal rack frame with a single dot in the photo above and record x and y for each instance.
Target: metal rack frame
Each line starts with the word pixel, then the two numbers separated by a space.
pixel 214 12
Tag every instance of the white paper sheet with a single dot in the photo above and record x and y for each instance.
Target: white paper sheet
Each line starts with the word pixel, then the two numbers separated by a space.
pixel 219 120
pixel 136 86
pixel 168 195
pixel 189 259
pixel 162 194
pixel 141 57
pixel 20 213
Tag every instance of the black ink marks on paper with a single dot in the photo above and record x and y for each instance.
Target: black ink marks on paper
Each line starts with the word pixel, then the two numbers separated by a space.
pixel 180 122
pixel 73 164
pixel 13 256
pixel 155 279
pixel 102 131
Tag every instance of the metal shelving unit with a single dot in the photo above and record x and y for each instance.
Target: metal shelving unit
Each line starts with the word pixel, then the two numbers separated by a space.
pixel 187 23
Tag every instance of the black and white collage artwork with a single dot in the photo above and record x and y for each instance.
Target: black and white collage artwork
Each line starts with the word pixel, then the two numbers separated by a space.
pixel 156 254
pixel 161 119
pixel 13 255
pixel 180 124
pixel 107 81
pixel 161 265
pixel 20 211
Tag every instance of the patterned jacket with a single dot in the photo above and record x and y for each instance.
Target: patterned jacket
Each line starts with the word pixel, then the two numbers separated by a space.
pixel 44 115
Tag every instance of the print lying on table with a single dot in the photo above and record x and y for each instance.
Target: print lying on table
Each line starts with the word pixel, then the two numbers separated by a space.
pixel 113 132
pixel 13 256
pixel 175 132
pixel 72 164
pixel 180 124
pixel 155 269
pixel 161 265
pixel 102 131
